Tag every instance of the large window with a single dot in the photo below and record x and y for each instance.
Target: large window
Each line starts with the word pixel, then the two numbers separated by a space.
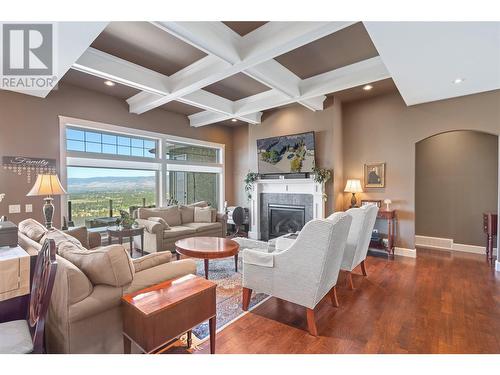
pixel 110 168
pixel 176 151
pixel 97 193
pixel 191 187
pixel 107 143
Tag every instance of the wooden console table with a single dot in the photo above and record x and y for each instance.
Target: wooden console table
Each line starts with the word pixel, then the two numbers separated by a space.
pixel 156 316
pixel 120 233
pixel 390 217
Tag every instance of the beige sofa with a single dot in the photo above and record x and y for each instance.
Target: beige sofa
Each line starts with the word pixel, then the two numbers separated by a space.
pixel 180 224
pixel 84 313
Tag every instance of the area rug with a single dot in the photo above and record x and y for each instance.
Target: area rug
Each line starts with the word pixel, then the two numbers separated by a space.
pixel 229 289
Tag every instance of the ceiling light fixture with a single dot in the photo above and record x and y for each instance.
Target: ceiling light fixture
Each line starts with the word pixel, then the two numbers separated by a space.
pixel 234 120
pixel 367 87
pixel 109 83
pixel 456 81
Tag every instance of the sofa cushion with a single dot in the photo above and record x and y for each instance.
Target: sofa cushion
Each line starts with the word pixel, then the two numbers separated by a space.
pixel 187 214
pixel 172 214
pixel 109 265
pixel 32 229
pixel 178 231
pixel 151 260
pixel 203 215
pixel 161 221
pixel 201 227
pixel 59 236
pixel 199 204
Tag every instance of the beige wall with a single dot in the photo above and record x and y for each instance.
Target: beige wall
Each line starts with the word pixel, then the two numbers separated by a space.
pixel 240 164
pixel 29 126
pixel 385 129
pixel 456 177
pixel 290 120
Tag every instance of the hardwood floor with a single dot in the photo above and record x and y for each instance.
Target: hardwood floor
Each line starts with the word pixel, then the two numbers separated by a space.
pixel 440 302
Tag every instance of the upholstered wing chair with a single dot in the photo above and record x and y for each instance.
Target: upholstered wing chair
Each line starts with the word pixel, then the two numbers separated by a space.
pixel 358 240
pixel 305 272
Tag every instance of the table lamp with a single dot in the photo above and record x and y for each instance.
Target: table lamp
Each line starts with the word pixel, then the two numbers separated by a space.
pixel 387 204
pixel 353 186
pixel 48 185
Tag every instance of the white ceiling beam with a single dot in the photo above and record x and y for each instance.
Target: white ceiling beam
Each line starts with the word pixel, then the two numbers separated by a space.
pixel 237 53
pixel 357 74
pixel 107 66
pixel 154 84
pixel 213 38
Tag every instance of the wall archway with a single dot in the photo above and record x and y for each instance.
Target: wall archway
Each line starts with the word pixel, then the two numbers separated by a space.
pixel 456 180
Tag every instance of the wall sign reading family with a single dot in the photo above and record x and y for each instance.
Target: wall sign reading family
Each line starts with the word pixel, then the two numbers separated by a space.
pixel 22 165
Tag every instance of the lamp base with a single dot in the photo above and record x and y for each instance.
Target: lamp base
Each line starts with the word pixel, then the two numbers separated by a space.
pixel 48 212
pixel 353 200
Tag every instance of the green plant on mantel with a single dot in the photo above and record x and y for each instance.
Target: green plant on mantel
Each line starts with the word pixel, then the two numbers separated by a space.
pixel 321 176
pixel 250 179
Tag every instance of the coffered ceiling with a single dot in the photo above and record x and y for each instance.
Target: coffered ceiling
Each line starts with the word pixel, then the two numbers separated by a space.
pixel 214 72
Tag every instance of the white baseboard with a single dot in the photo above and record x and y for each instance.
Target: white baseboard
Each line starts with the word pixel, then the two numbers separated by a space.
pixel 497 266
pixel 448 244
pixel 404 252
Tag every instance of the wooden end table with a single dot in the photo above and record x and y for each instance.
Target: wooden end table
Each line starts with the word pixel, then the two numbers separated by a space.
pixel 120 233
pixel 156 316
pixel 208 248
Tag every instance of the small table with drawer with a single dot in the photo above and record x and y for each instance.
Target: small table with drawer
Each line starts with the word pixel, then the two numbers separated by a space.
pixel 156 316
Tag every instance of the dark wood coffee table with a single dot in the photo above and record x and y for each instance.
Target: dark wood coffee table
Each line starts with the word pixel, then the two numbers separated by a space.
pixel 155 317
pixel 120 233
pixel 208 248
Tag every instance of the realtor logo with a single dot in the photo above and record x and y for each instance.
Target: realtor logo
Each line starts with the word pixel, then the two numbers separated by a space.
pixel 28 56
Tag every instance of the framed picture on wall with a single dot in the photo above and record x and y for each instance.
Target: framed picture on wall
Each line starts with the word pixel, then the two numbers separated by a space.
pixel 366 202
pixel 374 175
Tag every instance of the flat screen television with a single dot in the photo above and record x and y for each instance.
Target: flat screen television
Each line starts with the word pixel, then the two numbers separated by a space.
pixel 286 154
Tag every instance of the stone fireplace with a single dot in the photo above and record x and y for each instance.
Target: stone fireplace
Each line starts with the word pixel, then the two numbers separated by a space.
pixel 282 206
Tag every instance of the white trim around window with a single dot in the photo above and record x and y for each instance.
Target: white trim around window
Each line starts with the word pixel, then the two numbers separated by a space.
pixel 160 164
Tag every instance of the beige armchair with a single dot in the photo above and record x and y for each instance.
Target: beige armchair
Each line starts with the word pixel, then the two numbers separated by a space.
pixel 84 313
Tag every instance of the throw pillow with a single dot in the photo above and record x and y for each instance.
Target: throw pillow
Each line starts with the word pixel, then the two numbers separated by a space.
pixel 109 265
pixel 59 236
pixel 202 215
pixel 160 220
pixel 199 204
pixel 187 214
pixel 32 229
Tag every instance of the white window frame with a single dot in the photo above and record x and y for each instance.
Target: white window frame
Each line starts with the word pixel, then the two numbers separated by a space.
pixel 160 164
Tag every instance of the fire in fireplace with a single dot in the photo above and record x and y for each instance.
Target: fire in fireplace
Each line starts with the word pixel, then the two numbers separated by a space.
pixel 285 219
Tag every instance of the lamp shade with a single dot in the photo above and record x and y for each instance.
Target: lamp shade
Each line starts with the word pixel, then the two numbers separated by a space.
pixel 47 184
pixel 353 186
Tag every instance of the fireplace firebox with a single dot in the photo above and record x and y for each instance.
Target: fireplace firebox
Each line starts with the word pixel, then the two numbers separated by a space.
pixel 284 219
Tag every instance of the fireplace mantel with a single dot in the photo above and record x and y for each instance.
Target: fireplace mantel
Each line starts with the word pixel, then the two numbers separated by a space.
pixel 284 186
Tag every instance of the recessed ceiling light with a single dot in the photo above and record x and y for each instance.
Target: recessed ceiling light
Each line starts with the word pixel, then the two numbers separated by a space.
pixel 234 120
pixel 367 87
pixel 458 80
pixel 109 83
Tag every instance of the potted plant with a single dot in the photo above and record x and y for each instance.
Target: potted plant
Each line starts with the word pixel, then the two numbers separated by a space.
pixel 125 221
pixel 250 179
pixel 322 176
